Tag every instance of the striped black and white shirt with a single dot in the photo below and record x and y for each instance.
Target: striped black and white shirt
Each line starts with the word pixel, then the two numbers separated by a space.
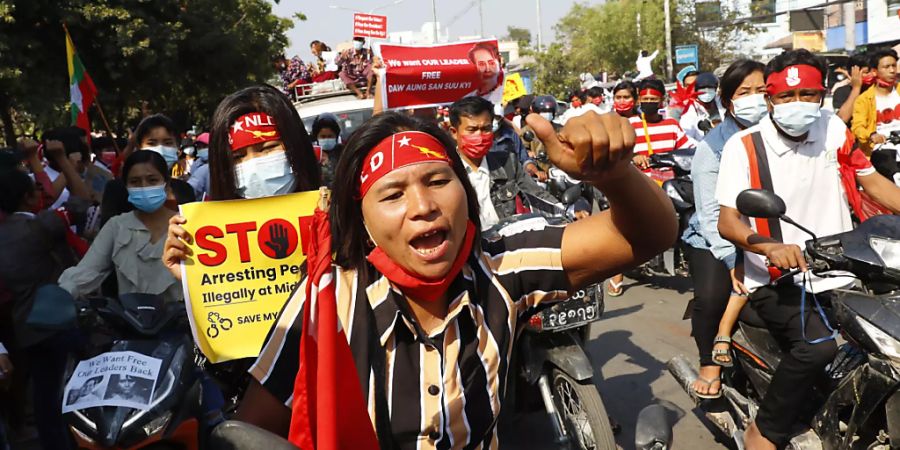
pixel 443 390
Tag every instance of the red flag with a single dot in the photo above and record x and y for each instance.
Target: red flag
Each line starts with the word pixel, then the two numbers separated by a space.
pixel 327 380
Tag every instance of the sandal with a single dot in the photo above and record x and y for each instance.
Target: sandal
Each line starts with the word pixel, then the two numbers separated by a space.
pixel 614 289
pixel 709 384
pixel 722 357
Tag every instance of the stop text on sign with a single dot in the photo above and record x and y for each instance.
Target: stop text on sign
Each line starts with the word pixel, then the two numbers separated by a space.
pixel 276 238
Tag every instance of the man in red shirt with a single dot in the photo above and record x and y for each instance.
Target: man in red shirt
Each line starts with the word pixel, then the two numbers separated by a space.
pixel 655 134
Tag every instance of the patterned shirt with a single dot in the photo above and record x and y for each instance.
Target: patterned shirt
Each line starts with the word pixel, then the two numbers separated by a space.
pixel 354 64
pixel 444 389
pixel 663 136
pixel 296 70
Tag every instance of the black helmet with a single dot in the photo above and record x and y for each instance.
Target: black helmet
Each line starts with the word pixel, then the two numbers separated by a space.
pixel 706 80
pixel 544 104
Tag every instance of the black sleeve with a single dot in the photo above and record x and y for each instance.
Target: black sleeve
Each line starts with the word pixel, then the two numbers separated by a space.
pixel 840 97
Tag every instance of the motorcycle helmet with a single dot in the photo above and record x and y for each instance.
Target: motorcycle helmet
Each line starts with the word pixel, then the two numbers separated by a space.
pixel 545 105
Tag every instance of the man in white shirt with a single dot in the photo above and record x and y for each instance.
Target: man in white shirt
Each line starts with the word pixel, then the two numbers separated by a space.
pixel 644 65
pixel 800 144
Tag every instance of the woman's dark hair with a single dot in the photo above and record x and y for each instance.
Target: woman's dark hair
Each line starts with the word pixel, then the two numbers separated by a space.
pixel 151 122
pixel 876 55
pixel 325 121
pixel 15 185
pixel 793 58
pixel 626 86
pixel 469 107
pixel 735 75
pixel 351 245
pixel 297 144
pixel 145 157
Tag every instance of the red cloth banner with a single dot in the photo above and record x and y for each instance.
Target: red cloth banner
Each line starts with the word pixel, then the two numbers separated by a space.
pixel 430 75
pixel 369 26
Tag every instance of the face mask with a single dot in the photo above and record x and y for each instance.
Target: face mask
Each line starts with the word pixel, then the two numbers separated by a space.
pixel 264 176
pixel 868 79
pixel 649 107
pixel 357 45
pixel 623 106
pixel 883 83
pixel 170 154
pixel 576 103
pixel 476 145
pixel 495 127
pixel 190 151
pixel 547 115
pixel 796 118
pixel 707 95
pixel 597 101
pixel 203 154
pixel 328 144
pixel 147 199
pixel 750 108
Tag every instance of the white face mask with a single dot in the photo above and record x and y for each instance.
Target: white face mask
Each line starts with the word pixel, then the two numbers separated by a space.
pixel 357 45
pixel 170 154
pixel 264 176
pixel 749 109
pixel 796 118
pixel 547 115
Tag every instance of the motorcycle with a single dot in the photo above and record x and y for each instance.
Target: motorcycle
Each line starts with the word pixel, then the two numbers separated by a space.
pixel 142 349
pixel 887 160
pixel 679 187
pixel 858 405
pixel 550 369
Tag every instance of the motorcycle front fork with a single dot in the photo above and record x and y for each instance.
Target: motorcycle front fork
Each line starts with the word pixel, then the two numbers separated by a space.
pixel 559 428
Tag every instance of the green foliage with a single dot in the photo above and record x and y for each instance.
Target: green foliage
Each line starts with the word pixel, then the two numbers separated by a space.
pixel 520 35
pixel 181 57
pixel 608 36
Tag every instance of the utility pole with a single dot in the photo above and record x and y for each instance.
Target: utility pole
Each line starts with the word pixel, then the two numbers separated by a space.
pixel 481 18
pixel 849 26
pixel 434 20
pixel 540 34
pixel 668 40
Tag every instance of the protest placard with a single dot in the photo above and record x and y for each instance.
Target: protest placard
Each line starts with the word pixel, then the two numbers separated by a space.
pixel 112 379
pixel 513 87
pixel 431 75
pixel 369 25
pixel 245 264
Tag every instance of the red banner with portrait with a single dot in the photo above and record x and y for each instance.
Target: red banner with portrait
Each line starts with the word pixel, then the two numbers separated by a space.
pixel 430 75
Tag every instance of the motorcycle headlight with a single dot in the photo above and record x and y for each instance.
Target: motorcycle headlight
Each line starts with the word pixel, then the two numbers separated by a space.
pixel 672 192
pixel 886 343
pixel 154 426
pixel 887 249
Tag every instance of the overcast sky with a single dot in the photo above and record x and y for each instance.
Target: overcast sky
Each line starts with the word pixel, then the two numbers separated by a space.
pixel 335 25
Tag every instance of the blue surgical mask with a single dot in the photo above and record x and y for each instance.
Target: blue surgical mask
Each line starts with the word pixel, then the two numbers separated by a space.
pixel 170 154
pixel 203 154
pixel 707 95
pixel 796 118
pixel 328 144
pixel 147 199
pixel 264 176
pixel 749 109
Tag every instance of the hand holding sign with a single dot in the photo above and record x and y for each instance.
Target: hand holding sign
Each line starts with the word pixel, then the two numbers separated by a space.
pixel 591 147
pixel 176 247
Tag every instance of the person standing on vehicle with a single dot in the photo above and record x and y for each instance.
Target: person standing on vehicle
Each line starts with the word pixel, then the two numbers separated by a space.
pixel 644 65
pixel 703 114
pixel 498 177
pixel 801 144
pixel 874 112
pixel 712 258
pixel 421 340
pixel 655 134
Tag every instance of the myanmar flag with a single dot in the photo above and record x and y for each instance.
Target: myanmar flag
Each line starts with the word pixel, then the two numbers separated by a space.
pixel 81 87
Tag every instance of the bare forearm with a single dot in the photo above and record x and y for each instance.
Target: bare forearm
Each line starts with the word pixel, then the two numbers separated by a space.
pixel 642 212
pixel 846 111
pixel 732 228
pixel 882 190
pixel 76 185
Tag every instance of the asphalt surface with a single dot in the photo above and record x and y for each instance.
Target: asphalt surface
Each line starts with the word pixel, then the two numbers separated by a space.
pixel 629 347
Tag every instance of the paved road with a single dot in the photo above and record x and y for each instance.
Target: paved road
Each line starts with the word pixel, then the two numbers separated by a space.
pixel 639 332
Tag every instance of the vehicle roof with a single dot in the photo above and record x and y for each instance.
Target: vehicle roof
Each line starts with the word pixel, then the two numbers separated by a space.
pixel 333 105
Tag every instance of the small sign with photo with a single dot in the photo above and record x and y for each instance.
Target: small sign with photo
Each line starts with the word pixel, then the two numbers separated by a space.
pixel 125 379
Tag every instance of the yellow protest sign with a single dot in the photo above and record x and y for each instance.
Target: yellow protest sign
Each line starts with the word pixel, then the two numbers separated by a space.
pixel 246 262
pixel 513 87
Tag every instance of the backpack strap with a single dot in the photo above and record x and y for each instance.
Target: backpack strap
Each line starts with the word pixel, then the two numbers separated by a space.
pixel 761 178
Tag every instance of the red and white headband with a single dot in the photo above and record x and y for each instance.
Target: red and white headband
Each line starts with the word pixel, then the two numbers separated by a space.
pixel 399 150
pixel 251 129
pixel 799 76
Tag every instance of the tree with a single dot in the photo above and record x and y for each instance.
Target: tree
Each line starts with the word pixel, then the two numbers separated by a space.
pixel 520 35
pixel 180 57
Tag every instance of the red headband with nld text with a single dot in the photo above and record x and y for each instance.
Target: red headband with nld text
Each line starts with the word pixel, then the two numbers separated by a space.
pixel 800 76
pixel 399 150
pixel 252 128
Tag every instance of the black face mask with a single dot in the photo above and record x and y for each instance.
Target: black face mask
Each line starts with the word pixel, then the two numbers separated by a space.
pixel 651 108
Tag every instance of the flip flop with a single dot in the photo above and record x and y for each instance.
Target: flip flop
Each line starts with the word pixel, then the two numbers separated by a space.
pixel 709 383
pixel 722 357
pixel 614 289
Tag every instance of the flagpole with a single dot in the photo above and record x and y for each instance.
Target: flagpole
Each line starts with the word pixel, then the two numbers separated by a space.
pixel 106 124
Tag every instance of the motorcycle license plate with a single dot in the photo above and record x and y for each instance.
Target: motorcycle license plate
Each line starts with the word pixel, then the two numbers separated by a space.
pixel 580 309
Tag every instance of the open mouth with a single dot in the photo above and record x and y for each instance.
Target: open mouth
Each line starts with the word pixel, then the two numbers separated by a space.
pixel 431 244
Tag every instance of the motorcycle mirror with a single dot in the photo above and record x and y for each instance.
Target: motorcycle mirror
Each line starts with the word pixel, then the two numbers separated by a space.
pixel 234 435
pixel 571 195
pixel 653 430
pixel 528 136
pixel 760 203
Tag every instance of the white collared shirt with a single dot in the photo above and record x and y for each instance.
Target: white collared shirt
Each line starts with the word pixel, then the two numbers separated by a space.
pixel 481 181
pixel 805 174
